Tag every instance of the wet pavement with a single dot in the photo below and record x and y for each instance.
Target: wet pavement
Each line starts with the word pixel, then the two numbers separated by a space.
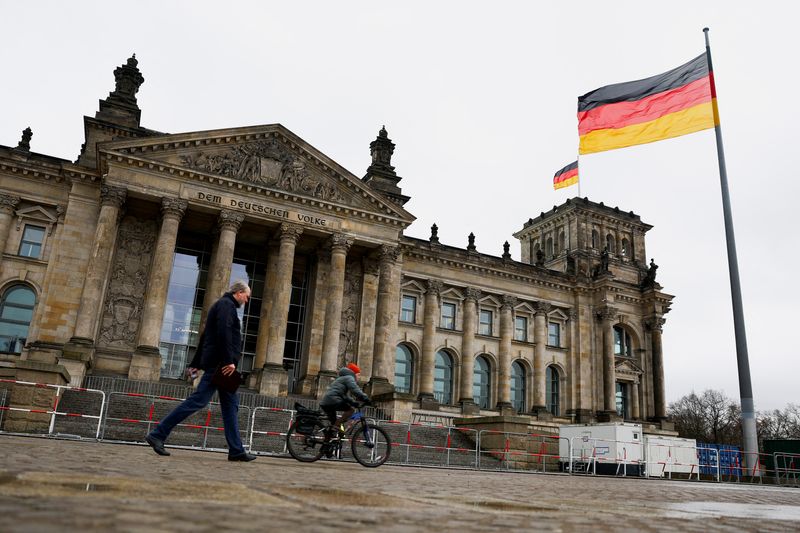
pixel 60 485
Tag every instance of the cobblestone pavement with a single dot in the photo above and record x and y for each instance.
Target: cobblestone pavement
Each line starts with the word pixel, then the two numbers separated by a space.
pixel 59 485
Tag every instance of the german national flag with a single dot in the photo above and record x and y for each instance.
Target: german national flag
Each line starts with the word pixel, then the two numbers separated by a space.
pixel 566 176
pixel 637 112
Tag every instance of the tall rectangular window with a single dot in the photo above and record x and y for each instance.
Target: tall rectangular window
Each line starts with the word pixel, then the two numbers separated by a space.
pixel 623 402
pixel 448 316
pixel 408 309
pixel 31 244
pixel 485 325
pixel 553 334
pixel 520 328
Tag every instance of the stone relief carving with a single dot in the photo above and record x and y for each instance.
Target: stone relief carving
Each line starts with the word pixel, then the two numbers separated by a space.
pixel 267 163
pixel 129 274
pixel 351 312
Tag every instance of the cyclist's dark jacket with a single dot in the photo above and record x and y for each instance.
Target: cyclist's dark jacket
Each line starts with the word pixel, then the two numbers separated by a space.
pixel 337 391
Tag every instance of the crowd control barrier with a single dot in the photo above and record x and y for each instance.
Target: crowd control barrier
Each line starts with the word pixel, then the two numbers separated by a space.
pixel 52 403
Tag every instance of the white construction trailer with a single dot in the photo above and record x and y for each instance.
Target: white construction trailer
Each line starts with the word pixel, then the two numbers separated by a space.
pixel 665 456
pixel 614 448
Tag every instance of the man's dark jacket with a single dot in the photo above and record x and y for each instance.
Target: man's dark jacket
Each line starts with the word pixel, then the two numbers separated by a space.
pixel 221 341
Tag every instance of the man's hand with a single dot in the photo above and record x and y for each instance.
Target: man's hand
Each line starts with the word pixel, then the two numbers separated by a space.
pixel 191 372
pixel 228 369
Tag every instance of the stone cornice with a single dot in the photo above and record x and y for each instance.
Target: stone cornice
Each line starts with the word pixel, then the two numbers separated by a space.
pixel 215 180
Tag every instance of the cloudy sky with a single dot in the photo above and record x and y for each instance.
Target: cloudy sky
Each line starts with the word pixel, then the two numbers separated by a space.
pixel 480 99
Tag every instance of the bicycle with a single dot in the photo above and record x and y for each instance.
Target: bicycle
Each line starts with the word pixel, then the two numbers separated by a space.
pixel 305 440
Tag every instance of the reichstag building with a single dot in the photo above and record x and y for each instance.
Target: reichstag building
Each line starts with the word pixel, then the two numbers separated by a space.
pixel 109 264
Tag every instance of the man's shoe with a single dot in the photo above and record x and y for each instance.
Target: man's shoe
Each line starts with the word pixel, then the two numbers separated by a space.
pixel 242 457
pixel 157 445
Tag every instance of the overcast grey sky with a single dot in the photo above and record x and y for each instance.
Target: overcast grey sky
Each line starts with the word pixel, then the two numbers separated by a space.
pixel 480 99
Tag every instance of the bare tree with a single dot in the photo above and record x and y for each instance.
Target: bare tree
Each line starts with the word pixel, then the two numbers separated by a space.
pixel 710 417
pixel 779 424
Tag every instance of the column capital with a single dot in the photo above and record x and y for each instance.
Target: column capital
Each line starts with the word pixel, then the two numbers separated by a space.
pixel 230 220
pixel 508 302
pixel 8 203
pixel 607 313
pixel 113 196
pixel 542 308
pixel 473 294
pixel 339 242
pixel 433 287
pixel 289 232
pixel 655 323
pixel 389 253
pixel 173 208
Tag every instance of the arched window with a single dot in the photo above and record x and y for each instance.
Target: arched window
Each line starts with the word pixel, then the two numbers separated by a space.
pixel 403 368
pixel 548 247
pixel 551 390
pixel 622 342
pixel 443 378
pixel 518 386
pixel 562 242
pixel 16 313
pixel 625 247
pixel 535 253
pixel 595 239
pixel 610 243
pixel 482 383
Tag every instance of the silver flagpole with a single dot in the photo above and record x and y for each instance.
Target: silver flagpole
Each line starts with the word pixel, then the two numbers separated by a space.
pixel 749 434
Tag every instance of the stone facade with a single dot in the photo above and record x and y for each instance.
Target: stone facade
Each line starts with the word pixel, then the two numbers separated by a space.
pixel 125 251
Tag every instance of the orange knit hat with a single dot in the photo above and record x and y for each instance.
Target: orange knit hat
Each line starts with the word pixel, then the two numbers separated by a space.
pixel 354 368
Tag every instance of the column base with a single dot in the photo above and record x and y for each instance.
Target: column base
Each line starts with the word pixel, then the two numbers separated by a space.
pixel 77 357
pixel 581 416
pixel 469 407
pixel 378 386
pixel 506 409
pixel 541 413
pixel 427 401
pixel 608 416
pixel 273 380
pixel 145 364
pixel 322 382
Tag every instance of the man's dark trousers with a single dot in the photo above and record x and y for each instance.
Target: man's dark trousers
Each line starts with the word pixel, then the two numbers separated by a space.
pixel 229 404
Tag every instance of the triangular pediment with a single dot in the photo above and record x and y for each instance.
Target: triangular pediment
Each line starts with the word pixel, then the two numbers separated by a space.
pixel 627 367
pixel 261 157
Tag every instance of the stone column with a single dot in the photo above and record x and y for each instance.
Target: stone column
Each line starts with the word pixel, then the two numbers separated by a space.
pixel 386 320
pixel 430 315
pixel 146 360
pixel 111 201
pixel 266 306
pixel 8 205
pixel 369 306
pixel 607 315
pixel 219 271
pixel 467 351
pixel 658 368
pixel 540 340
pixel 506 334
pixel 273 377
pixel 339 244
pixel 635 413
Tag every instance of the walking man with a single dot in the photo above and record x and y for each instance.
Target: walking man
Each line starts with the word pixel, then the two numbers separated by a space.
pixel 220 347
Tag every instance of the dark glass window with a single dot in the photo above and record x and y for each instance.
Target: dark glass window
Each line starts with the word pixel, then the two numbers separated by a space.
pixel 403 369
pixel 551 390
pixel 485 325
pixel 553 334
pixel 482 383
pixel 518 386
pixel 622 342
pixel 408 309
pixel 16 313
pixel 448 316
pixel 443 378
pixel 520 328
pixel 31 244
pixel 623 407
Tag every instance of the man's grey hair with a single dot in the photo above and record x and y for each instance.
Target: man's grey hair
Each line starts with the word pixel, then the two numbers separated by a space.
pixel 239 285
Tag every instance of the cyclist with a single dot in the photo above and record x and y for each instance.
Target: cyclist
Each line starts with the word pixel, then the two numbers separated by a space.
pixel 338 397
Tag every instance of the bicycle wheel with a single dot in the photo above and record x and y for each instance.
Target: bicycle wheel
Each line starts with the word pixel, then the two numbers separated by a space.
pixel 305 448
pixel 371 445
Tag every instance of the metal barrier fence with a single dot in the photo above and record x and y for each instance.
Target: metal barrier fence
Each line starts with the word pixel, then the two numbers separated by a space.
pixel 419 443
pixel 521 451
pixel 53 409
pixel 788 466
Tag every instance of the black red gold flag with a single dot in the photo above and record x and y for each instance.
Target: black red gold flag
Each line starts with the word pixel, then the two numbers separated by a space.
pixel 566 176
pixel 667 105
